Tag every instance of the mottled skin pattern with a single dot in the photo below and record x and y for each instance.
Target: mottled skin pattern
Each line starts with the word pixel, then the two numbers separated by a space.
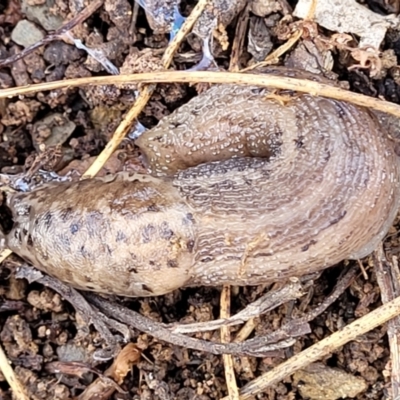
pixel 311 183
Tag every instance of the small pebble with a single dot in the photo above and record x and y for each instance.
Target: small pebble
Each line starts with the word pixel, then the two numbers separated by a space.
pixel 26 33
pixel 52 130
pixel 42 14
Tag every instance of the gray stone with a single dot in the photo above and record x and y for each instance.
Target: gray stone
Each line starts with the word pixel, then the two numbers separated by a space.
pixel 42 15
pixel 26 33
pixel 52 130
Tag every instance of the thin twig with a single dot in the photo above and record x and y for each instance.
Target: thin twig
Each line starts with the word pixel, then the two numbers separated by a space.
pixel 246 330
pixel 183 31
pixel 388 275
pixel 18 390
pixel 158 331
pixel 273 58
pixel 5 254
pixel 135 12
pixel 326 346
pixel 262 80
pixel 298 326
pixel 239 38
pixel 267 302
pixel 225 305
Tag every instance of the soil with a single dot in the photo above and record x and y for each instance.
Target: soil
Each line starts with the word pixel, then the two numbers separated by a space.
pixel 64 130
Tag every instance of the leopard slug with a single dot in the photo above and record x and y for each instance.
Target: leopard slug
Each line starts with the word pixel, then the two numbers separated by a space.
pixel 242 189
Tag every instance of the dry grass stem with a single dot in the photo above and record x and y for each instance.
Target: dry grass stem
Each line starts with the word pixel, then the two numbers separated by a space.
pixel 262 80
pixel 18 390
pixel 225 305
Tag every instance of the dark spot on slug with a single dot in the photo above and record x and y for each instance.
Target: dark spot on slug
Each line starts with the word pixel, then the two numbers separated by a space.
pixel 65 214
pixel 132 270
pixel 109 249
pixel 147 288
pixel 172 264
pixel 29 241
pixel 24 231
pixel 247 181
pixel 188 219
pixel 299 142
pixel 307 246
pixel 327 155
pixel 152 263
pixel 47 219
pixel 263 255
pixel 339 109
pixel 265 173
pixel 278 131
pixel 336 220
pixel 226 184
pixel 190 245
pixel 90 287
pixel 207 259
pixel 121 237
pixel 195 111
pixel 346 238
pixel 153 208
pixel 165 232
pixel 148 232
pixel 233 258
pixel 74 228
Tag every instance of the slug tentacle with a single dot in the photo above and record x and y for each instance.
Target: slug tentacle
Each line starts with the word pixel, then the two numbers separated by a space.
pixel 242 190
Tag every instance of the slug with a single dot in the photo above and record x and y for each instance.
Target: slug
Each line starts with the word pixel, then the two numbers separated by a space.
pixel 242 189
